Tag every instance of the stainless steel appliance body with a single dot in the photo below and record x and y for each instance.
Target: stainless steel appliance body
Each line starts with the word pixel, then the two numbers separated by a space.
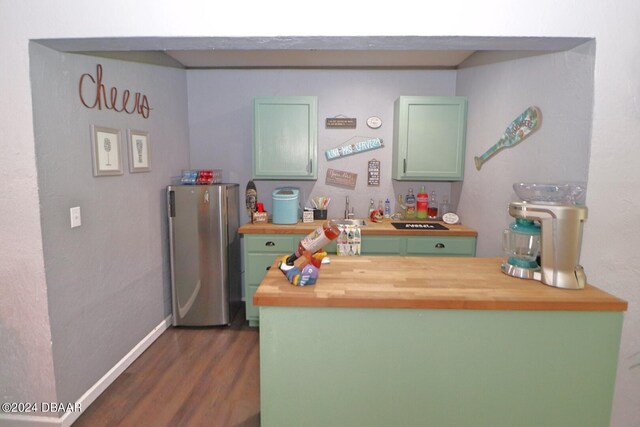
pixel 204 253
pixel 560 243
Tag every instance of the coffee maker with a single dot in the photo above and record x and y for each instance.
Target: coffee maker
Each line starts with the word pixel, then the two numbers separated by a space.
pixel 555 245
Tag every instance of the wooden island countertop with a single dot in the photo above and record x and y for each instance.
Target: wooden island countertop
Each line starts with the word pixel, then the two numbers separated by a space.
pixel 381 229
pixel 426 283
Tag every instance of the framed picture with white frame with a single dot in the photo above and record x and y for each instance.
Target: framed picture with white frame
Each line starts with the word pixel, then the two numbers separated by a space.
pixel 106 150
pixel 139 157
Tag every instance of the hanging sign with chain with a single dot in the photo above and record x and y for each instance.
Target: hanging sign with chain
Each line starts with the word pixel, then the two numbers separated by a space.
pixel 354 148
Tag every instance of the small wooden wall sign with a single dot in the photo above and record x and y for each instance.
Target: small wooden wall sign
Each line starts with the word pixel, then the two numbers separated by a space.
pixel 340 123
pixel 373 172
pixel 341 178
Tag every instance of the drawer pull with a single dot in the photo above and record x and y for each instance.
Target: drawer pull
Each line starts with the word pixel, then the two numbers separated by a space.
pixel 269 243
pixel 440 245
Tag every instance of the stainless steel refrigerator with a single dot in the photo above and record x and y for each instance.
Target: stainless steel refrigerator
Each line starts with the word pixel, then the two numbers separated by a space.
pixel 204 253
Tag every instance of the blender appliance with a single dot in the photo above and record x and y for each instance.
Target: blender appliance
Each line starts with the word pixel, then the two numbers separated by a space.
pixel 548 228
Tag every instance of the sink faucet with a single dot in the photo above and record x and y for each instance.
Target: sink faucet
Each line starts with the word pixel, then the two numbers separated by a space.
pixel 348 213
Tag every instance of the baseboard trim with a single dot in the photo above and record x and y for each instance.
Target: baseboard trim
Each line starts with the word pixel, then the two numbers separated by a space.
pixel 92 394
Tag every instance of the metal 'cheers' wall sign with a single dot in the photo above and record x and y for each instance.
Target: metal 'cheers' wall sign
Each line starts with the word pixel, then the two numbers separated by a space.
pixel 93 93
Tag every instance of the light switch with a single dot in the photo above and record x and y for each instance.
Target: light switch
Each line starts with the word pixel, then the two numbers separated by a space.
pixel 76 219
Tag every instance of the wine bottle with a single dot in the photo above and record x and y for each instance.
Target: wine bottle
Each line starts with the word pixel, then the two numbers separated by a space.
pixel 314 241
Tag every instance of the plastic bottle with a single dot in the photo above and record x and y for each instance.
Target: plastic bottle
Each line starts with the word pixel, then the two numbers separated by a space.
pixel 433 206
pixel 422 204
pixel 410 202
pixel 314 241
pixel 387 208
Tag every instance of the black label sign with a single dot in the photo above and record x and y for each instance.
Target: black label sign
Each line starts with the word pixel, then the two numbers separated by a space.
pixel 340 123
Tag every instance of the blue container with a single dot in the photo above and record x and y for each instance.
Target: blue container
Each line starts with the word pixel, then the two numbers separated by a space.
pixel 285 205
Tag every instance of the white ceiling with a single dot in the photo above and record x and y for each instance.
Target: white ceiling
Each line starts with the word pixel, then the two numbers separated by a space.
pixel 318 58
pixel 307 52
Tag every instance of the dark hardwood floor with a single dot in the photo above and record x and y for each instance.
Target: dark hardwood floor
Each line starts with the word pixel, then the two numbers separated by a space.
pixel 187 377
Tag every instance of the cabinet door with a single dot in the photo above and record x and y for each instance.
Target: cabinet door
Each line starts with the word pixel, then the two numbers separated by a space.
pixel 285 132
pixel 444 246
pixel 429 138
pixel 382 245
pixel 260 252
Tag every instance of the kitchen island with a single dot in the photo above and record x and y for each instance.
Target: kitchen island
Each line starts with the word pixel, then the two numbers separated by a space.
pixel 447 341
pixel 263 241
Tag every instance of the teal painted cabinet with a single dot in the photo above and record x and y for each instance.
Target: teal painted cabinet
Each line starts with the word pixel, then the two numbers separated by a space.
pixel 285 133
pixel 429 138
pixel 419 245
pixel 260 251
pixel 441 367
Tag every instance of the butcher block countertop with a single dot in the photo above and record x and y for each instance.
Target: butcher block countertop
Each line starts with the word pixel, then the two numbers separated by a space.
pixel 372 228
pixel 427 283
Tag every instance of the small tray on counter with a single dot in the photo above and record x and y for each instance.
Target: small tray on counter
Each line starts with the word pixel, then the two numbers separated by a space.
pixel 418 226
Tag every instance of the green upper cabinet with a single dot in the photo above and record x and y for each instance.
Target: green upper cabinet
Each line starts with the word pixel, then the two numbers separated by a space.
pixel 285 135
pixel 429 138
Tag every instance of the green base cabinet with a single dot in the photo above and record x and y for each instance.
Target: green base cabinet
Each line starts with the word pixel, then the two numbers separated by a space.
pixel 429 138
pixel 260 251
pixel 258 254
pixel 419 245
pixel 416 367
pixel 285 133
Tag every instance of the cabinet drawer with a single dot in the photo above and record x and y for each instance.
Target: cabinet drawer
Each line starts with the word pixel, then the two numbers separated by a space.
pixel 255 267
pixel 389 245
pixel 270 243
pixel 251 310
pixel 434 245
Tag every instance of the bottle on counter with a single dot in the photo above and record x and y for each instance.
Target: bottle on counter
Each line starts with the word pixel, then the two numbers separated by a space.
pixel 387 208
pixel 401 209
pixel 314 241
pixel 422 204
pixel 433 206
pixel 410 205
pixel 444 206
pixel 371 207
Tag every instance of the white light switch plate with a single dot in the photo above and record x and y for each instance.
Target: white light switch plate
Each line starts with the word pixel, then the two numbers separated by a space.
pixel 76 219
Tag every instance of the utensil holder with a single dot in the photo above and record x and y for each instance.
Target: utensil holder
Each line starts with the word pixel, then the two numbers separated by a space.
pixel 319 214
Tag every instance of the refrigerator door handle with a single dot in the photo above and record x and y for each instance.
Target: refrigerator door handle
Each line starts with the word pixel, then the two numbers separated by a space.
pixel 172 204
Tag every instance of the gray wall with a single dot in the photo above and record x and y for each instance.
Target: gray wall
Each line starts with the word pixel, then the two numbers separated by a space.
pixel 221 123
pixel 500 86
pixel 108 280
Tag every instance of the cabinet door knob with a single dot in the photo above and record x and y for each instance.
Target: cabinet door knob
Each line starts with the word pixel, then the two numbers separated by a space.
pixel 440 245
pixel 268 268
pixel 404 165
pixel 269 243
pixel 310 166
